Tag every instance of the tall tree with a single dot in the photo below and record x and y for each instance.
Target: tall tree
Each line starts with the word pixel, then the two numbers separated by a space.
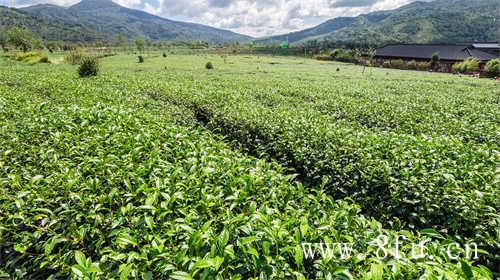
pixel 21 38
pixel 435 61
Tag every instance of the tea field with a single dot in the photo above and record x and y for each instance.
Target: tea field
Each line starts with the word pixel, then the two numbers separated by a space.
pixel 167 170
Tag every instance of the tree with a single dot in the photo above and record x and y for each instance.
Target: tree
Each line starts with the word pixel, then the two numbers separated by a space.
pixel 357 55
pixel 435 61
pixel 371 54
pixel 20 38
pixel 492 68
pixel 3 40
pixel 140 43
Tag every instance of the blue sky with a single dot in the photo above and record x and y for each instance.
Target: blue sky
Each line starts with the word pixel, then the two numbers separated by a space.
pixel 251 17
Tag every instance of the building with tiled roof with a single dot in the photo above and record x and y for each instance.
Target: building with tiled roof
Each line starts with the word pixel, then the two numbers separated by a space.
pixel 448 54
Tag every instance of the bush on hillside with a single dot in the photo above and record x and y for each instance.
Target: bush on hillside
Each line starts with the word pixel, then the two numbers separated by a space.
pixel 209 66
pixel 164 55
pixel 89 67
pixel 141 59
pixel 492 68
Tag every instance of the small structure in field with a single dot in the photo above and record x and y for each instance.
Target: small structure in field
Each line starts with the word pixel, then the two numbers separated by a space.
pixel 448 54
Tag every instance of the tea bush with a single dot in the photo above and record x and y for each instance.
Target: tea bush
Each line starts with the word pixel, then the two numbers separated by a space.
pixel 88 67
pixel 377 170
pixel 108 192
pixel 96 180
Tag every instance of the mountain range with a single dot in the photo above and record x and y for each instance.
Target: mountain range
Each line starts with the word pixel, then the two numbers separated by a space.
pixel 93 20
pixel 440 21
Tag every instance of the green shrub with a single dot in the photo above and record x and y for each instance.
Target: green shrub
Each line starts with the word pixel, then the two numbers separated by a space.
pixel 467 66
pixel 161 201
pixel 323 57
pixel 44 59
pixel 492 68
pixel 28 56
pixel 398 64
pixel 423 66
pixel 434 63
pixel 75 57
pixel 104 55
pixel 343 55
pixel 140 59
pixel 164 54
pixel 89 67
pixel 209 66
pixel 412 65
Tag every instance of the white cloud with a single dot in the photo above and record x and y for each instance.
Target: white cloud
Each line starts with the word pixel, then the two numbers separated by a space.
pixel 262 18
pixel 252 17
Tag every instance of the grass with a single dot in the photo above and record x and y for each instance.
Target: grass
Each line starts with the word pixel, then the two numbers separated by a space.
pixel 166 170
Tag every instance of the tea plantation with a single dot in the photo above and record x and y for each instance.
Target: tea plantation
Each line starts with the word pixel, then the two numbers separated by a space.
pixel 168 170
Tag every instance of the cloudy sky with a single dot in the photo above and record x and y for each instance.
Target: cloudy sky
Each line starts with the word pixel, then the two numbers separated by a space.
pixel 251 17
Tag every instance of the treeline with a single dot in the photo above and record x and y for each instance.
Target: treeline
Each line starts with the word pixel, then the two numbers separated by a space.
pixel 25 40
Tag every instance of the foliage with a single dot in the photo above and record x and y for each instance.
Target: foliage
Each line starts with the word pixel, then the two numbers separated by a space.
pixel 467 66
pixel 140 59
pixel 398 64
pixel 209 66
pixel 44 59
pixel 431 22
pixel 343 55
pixel 88 67
pixel 434 63
pixel 386 64
pixel 140 43
pixel 76 57
pixel 124 175
pixel 423 66
pixel 412 65
pixel 492 68
pixel 20 38
pixel 3 39
pixel 28 56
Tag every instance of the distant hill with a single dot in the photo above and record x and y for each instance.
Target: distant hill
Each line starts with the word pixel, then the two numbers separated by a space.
pixel 47 29
pixel 441 21
pixel 105 20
